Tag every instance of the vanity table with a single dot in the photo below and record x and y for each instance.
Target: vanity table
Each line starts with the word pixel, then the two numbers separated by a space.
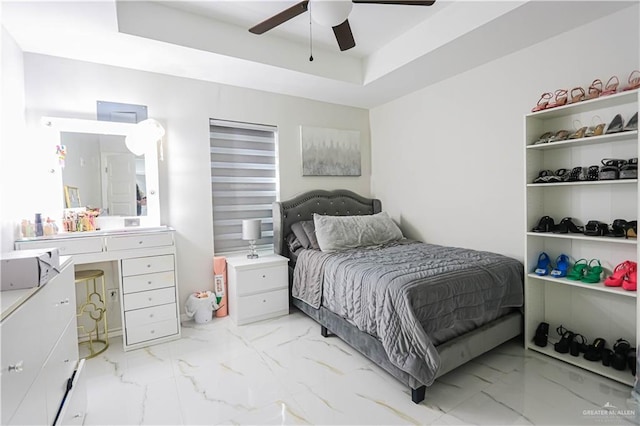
pixel 147 279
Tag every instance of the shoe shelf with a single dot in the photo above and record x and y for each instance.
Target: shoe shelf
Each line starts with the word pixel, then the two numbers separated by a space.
pixel 592 309
pixel 596 287
pixel 603 102
pixel 613 240
pixel 584 182
pixel 593 366
pixel 593 140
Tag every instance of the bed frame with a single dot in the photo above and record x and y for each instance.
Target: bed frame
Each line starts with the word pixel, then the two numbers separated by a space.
pixel 453 353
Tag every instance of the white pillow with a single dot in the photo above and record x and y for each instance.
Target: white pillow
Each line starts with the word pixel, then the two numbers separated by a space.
pixel 336 233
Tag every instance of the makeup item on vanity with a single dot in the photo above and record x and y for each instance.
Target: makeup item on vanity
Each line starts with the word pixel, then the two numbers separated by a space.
pixel 39 228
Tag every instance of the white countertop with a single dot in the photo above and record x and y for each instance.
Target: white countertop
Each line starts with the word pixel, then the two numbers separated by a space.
pixel 99 233
pixel 10 300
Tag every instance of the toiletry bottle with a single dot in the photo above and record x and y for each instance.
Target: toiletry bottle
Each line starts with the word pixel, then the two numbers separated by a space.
pixel 39 229
pixel 23 228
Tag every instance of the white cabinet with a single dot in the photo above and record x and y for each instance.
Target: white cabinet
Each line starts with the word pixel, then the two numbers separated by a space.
pixel 147 277
pixel 592 310
pixel 150 309
pixel 39 351
pixel 258 288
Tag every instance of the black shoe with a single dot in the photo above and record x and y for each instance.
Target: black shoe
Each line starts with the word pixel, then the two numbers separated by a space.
pixel 630 170
pixel 616 125
pixel 594 350
pixel 546 224
pixel 632 124
pixel 563 346
pixel 566 225
pixel 607 356
pixel 593 172
pixel 617 228
pixel 595 228
pixel 578 345
pixel 610 169
pixel 620 350
pixel 632 361
pixel 542 333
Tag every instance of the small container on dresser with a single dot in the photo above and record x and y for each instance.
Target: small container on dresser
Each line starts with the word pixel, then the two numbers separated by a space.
pixel 258 288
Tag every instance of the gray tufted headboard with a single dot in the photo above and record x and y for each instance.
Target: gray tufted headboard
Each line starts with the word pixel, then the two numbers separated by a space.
pixel 339 202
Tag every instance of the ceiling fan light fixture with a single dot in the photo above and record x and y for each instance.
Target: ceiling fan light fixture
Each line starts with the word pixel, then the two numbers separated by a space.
pixel 330 13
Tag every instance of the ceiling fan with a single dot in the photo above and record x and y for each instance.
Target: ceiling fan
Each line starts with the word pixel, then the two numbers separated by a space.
pixel 333 13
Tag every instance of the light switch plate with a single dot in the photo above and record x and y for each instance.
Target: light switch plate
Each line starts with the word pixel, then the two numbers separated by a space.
pixel 131 222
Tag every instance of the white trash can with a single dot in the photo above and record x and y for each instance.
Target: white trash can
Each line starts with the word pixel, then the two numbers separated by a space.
pixel 200 306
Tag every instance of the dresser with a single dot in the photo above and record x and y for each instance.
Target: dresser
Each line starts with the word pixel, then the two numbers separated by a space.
pixel 147 278
pixel 40 354
pixel 258 288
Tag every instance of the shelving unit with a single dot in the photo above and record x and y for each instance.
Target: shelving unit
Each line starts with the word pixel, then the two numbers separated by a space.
pixel 593 310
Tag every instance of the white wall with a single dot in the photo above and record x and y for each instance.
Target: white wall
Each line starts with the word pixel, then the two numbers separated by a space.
pixel 61 87
pixel 11 135
pixel 448 160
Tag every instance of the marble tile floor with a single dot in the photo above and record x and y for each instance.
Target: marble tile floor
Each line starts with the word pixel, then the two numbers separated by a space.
pixel 282 371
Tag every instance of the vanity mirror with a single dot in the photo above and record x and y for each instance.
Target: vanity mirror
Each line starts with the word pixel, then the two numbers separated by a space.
pixel 111 166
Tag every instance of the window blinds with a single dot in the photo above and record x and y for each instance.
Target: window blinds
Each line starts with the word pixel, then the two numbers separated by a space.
pixel 244 181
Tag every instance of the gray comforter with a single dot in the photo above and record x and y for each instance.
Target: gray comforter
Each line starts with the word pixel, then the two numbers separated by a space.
pixel 402 291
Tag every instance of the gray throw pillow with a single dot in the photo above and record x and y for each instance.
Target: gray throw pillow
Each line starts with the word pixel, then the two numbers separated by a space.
pixel 306 233
pixel 336 233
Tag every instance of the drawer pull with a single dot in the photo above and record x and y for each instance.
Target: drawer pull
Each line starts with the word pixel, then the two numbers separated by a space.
pixel 65 301
pixel 17 368
pixel 148 266
pixel 150 315
pixel 150 299
pixel 139 242
pixel 153 331
pixel 149 282
pixel 264 276
pixel 264 301
pixel 77 415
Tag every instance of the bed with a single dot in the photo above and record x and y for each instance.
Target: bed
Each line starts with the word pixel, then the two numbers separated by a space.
pixel 420 351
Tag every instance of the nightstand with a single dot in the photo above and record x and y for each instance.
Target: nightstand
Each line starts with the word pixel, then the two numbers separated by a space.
pixel 258 288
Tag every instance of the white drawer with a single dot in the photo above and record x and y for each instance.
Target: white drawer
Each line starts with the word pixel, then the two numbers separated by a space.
pixel 74 409
pixel 58 306
pixel 262 279
pixel 150 315
pixel 59 368
pixel 136 283
pixel 262 305
pixel 147 299
pixel 33 408
pixel 22 354
pixel 129 242
pixel 147 265
pixel 151 331
pixel 78 245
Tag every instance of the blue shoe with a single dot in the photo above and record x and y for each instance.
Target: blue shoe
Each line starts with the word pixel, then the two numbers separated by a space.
pixel 544 265
pixel 562 266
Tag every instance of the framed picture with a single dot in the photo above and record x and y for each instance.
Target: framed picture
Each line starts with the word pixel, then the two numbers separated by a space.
pixel 330 152
pixel 72 196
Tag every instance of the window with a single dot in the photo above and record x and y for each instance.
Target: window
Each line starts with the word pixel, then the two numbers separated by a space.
pixel 244 181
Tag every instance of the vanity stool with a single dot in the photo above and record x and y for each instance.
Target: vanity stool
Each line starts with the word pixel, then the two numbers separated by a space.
pixel 93 312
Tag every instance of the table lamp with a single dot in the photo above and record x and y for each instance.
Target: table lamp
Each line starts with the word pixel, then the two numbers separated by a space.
pixel 251 232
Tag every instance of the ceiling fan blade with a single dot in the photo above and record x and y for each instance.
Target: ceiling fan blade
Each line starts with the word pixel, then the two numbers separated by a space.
pixel 280 18
pixel 344 36
pixel 401 2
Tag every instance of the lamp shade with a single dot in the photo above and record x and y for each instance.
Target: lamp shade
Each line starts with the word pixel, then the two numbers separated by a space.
pixel 330 12
pixel 251 229
pixel 144 136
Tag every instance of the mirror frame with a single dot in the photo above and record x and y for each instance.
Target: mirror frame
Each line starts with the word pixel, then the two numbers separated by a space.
pixel 75 125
